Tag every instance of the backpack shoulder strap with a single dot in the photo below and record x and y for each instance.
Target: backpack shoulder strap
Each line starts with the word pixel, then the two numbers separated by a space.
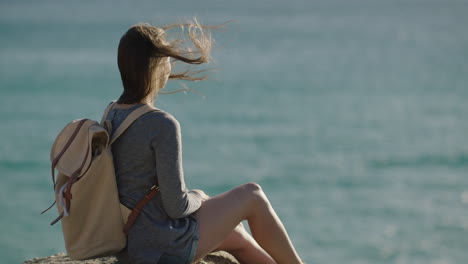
pixel 106 112
pixel 130 119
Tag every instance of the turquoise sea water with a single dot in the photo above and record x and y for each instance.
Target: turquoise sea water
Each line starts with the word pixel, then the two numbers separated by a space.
pixel 352 115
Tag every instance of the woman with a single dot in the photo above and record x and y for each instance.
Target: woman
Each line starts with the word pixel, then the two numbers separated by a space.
pixel 180 225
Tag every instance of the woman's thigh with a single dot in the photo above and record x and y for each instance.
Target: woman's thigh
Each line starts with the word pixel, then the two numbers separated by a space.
pixel 219 216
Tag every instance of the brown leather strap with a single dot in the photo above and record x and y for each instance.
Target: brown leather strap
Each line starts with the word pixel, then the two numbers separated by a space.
pixel 56 160
pixel 49 207
pixel 67 193
pixel 137 210
pixel 74 178
pixel 57 219
pixel 70 140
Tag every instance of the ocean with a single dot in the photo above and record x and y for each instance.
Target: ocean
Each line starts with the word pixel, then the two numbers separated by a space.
pixel 351 114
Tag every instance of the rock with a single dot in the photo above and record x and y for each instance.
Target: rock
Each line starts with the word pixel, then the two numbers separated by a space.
pixel 220 257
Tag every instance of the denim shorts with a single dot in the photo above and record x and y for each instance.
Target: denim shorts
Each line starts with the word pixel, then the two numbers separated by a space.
pixel 186 258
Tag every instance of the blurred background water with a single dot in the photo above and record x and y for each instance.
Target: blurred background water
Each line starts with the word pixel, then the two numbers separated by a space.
pixel 352 115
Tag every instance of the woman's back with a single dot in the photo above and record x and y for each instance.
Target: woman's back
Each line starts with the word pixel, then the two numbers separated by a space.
pixel 148 154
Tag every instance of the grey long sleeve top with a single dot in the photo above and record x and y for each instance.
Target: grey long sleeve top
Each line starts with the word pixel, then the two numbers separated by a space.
pixel 149 152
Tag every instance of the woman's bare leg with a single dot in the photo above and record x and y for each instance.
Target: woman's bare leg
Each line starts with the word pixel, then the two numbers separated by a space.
pixel 246 250
pixel 218 217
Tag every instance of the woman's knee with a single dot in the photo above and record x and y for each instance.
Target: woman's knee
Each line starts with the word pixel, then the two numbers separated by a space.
pixel 251 189
pixel 254 194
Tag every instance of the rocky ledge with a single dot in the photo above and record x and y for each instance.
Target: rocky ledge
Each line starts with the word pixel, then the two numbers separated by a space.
pixel 220 257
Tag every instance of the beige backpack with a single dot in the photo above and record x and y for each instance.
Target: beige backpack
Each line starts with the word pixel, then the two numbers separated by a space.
pixel 93 220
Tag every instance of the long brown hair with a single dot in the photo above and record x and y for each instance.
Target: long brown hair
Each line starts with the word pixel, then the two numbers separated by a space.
pixel 144 47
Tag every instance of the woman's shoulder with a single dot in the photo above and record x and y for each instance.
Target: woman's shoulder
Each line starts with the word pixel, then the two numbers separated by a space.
pixel 159 118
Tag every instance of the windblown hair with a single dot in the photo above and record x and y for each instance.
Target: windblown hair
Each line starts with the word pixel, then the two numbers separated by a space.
pixel 144 48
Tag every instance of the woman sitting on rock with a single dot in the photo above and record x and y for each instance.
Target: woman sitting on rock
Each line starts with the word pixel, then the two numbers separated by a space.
pixel 180 225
